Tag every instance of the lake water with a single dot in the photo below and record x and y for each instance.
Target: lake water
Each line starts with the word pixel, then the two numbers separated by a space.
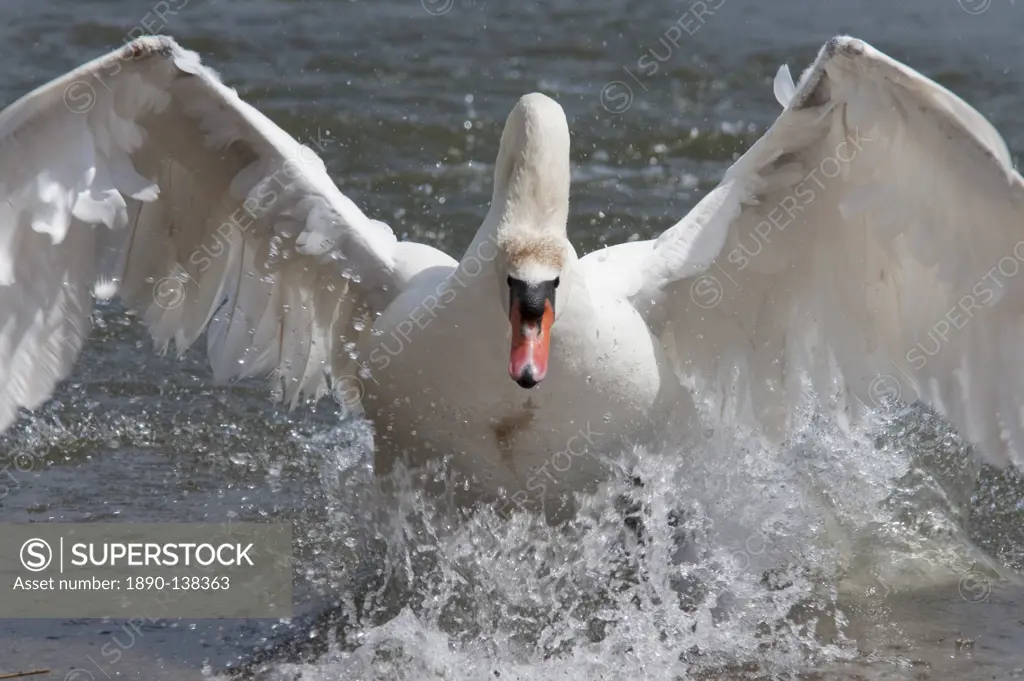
pixel 856 557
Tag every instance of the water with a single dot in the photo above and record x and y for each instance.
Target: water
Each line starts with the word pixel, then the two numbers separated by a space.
pixel 876 555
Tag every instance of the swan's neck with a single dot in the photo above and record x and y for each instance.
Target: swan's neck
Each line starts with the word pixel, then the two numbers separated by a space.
pixel 530 201
pixel 531 185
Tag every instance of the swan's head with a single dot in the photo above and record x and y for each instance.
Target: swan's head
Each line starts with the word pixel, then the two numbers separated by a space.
pixel 531 207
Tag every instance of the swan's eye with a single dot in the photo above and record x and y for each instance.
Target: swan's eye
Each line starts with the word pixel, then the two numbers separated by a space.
pixel 558 280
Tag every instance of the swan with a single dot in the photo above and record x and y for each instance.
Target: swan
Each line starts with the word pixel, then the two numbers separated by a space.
pixel 868 247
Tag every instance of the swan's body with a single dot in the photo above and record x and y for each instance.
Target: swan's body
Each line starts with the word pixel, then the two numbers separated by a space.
pixel 504 434
pixel 432 357
pixel 875 216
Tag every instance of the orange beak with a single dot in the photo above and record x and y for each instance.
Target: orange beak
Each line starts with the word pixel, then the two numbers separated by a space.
pixel 528 361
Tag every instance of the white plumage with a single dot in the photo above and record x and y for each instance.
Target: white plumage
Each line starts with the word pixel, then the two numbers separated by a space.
pixel 871 240
pixel 140 174
pixel 869 244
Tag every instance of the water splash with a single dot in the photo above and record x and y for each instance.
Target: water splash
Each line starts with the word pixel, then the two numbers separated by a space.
pixel 734 561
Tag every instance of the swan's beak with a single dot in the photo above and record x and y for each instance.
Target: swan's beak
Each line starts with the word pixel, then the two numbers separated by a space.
pixel 531 313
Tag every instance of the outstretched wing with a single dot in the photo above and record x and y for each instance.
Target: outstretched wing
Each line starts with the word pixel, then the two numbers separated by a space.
pixel 141 175
pixel 872 242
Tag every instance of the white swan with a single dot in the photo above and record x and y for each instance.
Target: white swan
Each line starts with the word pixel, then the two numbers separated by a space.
pixel 870 242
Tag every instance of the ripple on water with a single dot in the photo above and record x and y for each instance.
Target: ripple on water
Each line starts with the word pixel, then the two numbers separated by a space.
pixel 837 556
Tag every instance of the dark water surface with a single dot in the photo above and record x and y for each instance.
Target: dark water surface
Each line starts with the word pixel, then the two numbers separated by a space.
pixel 410 98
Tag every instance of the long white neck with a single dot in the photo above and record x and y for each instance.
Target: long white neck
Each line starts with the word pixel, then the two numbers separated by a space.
pixel 530 201
pixel 531 175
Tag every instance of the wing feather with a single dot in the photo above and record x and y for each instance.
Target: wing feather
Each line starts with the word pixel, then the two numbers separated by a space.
pixel 141 175
pixel 870 244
